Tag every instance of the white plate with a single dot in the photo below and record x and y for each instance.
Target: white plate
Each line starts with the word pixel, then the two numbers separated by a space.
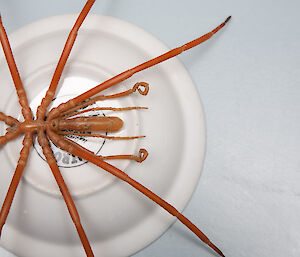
pixel 118 220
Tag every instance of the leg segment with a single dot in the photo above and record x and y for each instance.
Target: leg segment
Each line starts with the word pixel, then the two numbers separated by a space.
pixel 8 120
pixel 9 135
pixel 138 158
pixel 41 111
pixel 55 112
pixel 44 143
pixel 27 143
pixel 26 111
pixel 87 155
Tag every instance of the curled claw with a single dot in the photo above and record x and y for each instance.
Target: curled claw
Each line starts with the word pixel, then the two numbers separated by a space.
pixel 143 154
pixel 140 85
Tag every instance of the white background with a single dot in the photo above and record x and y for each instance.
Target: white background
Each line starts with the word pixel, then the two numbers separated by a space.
pixel 247 76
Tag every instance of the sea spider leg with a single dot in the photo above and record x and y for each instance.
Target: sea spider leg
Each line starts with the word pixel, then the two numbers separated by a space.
pixel 87 155
pixel 44 143
pixel 26 111
pixel 13 132
pixel 42 109
pixel 27 143
pixel 55 112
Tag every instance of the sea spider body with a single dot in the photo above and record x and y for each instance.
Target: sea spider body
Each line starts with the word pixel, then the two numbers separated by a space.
pixel 65 119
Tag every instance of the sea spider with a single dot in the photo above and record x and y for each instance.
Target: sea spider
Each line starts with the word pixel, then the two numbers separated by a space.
pixel 55 124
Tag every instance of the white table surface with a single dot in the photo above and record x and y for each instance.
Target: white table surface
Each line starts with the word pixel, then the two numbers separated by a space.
pixel 247 199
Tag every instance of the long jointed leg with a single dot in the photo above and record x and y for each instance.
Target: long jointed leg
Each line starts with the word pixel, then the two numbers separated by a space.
pixel 26 111
pixel 27 143
pixel 44 143
pixel 41 111
pixel 87 155
pixel 55 112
